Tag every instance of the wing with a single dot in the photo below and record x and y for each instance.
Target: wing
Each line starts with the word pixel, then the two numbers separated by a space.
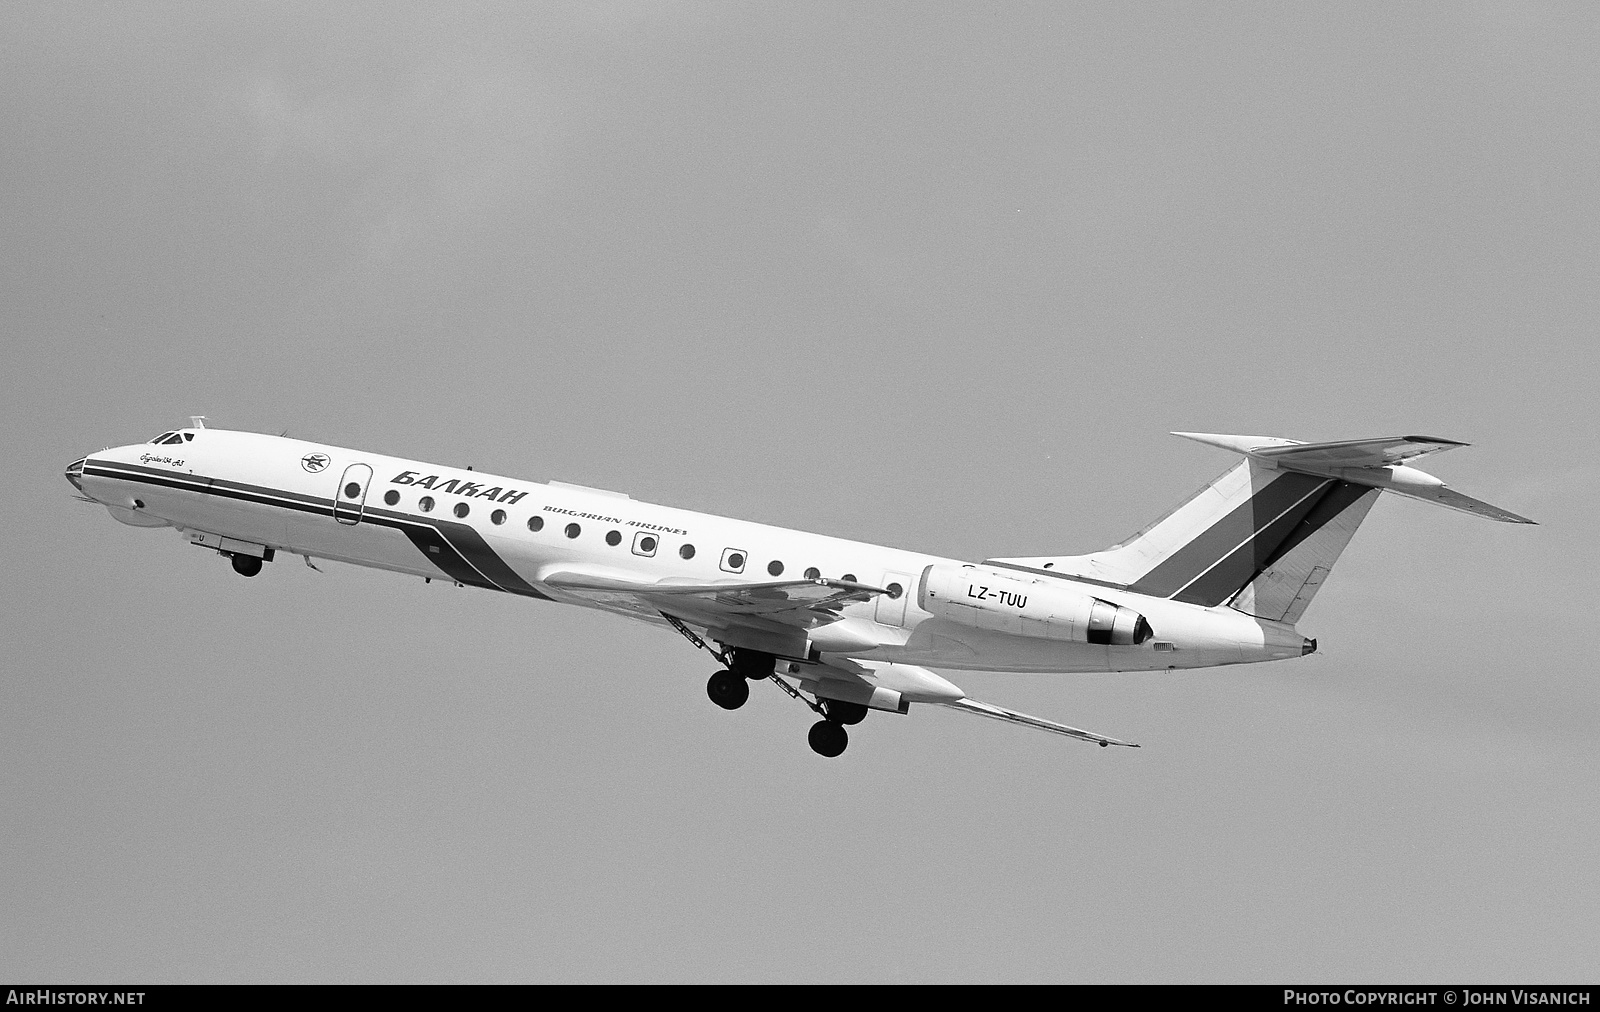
pixel 1385 451
pixel 857 680
pixel 1013 717
pixel 803 604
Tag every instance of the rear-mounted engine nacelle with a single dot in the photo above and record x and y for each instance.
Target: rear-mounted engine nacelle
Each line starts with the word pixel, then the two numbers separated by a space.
pixel 985 599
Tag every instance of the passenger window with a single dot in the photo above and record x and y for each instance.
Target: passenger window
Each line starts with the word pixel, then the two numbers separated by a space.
pixel 813 573
pixel 536 523
pixel 425 504
pixel 613 538
pixel 462 509
pixel 686 552
pixel 498 517
pixel 391 497
pixel 573 530
pixel 775 568
pixel 733 560
pixel 353 490
pixel 644 544
pixel 895 590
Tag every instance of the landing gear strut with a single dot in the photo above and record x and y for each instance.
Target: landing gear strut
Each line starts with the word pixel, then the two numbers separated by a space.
pixel 730 689
pixel 246 565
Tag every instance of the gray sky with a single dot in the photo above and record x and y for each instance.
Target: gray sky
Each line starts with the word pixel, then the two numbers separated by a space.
pixel 937 277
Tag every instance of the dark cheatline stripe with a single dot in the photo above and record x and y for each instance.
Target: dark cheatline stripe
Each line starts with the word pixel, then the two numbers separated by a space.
pixel 1224 537
pixel 476 551
pixel 1241 565
pixel 318 503
pixel 456 550
pixel 147 475
pixel 214 486
pixel 442 554
pixel 1340 498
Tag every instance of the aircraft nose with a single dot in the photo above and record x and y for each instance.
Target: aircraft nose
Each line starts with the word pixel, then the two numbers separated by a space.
pixel 75 473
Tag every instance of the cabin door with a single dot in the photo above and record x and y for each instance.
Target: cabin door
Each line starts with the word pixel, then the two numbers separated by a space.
pixel 350 500
pixel 891 609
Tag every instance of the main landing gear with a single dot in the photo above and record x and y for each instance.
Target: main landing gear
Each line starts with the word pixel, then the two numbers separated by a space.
pixel 730 689
pixel 828 738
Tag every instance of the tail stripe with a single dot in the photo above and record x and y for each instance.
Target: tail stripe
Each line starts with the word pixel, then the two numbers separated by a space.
pixel 1233 532
pixel 1240 566
pixel 1341 497
pixel 1263 536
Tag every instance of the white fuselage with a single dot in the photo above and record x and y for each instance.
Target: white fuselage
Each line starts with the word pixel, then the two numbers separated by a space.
pixel 248 492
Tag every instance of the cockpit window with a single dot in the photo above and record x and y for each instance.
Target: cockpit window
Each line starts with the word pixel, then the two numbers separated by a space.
pixel 173 440
pixel 188 436
pixel 163 437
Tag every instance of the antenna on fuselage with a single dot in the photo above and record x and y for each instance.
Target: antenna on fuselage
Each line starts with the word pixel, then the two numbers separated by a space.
pixel 198 420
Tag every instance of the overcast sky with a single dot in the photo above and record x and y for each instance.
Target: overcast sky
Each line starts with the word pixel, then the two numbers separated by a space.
pixel 936 276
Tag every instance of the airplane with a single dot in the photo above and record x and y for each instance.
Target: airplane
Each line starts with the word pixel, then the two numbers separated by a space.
pixel 844 627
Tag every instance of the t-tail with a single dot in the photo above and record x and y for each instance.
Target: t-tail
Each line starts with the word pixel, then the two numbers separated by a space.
pixel 1263 537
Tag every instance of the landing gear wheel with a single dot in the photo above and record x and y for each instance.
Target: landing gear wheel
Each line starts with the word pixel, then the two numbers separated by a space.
pixel 246 565
pixel 753 664
pixel 846 713
pixel 828 738
pixel 728 690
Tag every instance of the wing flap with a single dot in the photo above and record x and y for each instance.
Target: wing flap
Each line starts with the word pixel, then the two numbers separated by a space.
pixel 798 602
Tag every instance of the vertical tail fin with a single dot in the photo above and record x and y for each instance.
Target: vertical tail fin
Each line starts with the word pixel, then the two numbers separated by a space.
pixel 1284 587
pixel 1265 534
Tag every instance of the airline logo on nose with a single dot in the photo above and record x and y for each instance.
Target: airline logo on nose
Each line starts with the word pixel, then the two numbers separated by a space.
pixel 314 462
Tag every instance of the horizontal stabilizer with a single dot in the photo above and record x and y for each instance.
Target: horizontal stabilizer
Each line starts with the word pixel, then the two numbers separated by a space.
pixel 1446 496
pixel 1263 536
pixel 1384 451
pixel 1012 716
pixel 1375 463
